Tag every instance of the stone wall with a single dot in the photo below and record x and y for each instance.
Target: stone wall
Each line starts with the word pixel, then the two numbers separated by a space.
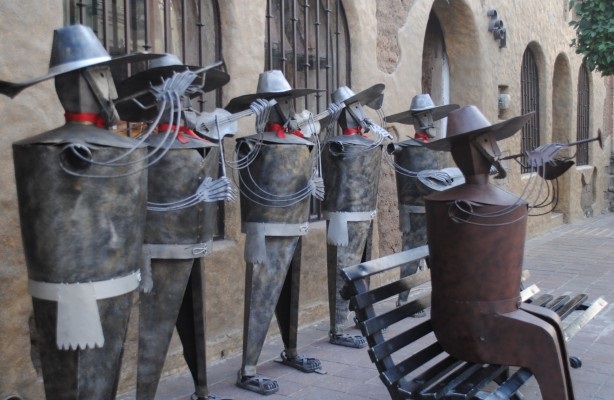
pixel 387 40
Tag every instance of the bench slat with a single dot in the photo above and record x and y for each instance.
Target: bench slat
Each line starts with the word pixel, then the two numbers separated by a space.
pixel 393 375
pixel 362 300
pixel 381 321
pixel 383 264
pixel 394 344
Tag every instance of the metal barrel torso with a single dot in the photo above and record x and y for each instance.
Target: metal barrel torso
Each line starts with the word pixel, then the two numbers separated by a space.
pixel 350 170
pixel 176 176
pixel 475 257
pixel 412 156
pixel 80 229
pixel 275 185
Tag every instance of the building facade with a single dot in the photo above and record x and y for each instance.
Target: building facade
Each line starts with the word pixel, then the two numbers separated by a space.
pixel 505 57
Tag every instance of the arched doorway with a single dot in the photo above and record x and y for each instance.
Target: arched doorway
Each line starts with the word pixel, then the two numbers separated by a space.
pixel 435 68
pixel 562 112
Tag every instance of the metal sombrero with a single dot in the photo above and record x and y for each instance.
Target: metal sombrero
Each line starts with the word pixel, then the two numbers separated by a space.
pixel 74 47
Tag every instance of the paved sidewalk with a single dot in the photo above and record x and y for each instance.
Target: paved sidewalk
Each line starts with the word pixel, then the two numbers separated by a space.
pixel 574 258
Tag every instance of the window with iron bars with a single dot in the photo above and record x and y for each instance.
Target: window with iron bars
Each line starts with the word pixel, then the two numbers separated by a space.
pixel 189 29
pixel 583 117
pixel 308 41
pixel 529 90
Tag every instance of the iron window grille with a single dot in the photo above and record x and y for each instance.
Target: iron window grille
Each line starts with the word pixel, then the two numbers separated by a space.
pixel 583 117
pixel 529 81
pixel 189 29
pixel 308 41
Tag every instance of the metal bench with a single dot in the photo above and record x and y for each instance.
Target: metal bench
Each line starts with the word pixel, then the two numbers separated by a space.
pixel 410 361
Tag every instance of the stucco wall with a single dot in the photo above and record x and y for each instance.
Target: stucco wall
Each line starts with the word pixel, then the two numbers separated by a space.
pixel 387 37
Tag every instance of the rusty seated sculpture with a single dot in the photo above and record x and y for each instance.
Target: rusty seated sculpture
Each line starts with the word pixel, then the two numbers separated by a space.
pixel 476 233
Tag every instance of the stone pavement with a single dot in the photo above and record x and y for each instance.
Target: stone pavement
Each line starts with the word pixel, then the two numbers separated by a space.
pixel 573 258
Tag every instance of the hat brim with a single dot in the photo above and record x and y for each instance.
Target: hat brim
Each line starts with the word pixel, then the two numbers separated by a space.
pixel 12 89
pixel 501 131
pixel 367 96
pixel 407 117
pixel 241 103
pixel 130 111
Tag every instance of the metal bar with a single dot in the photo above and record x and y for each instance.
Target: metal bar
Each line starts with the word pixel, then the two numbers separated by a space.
pixel 327 10
pixel 385 263
pixel 146 45
pixel 166 25
pixel 316 24
pixel 337 34
pixel 127 26
pixel 584 318
pixel 306 38
pixel 282 42
pixel 105 36
pixel 293 20
pixel 268 62
pixel 183 31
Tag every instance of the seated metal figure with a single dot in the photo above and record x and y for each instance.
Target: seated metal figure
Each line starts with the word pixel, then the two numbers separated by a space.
pixel 82 196
pixel 411 161
pixel 476 234
pixel 350 169
pixel 183 191
pixel 276 168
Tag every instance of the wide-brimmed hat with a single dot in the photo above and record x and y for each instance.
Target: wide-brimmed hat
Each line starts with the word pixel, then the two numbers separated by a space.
pixel 371 97
pixel 271 85
pixel 468 121
pixel 137 86
pixel 419 104
pixel 74 47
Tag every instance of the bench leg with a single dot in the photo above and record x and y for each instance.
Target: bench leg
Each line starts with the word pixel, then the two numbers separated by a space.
pixel 514 338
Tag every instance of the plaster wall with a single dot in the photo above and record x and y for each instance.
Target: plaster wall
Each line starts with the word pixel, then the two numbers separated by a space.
pixel 386 39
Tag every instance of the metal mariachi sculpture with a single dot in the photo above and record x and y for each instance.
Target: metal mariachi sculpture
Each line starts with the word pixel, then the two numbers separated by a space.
pixel 82 197
pixel 417 174
pixel 181 215
pixel 350 169
pixel 476 234
pixel 276 172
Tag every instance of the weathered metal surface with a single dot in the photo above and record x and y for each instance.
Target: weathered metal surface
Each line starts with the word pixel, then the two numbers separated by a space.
pixel 80 229
pixel 273 191
pixel 414 157
pixel 273 185
pixel 263 288
pixel 350 169
pixel 176 176
pixel 476 234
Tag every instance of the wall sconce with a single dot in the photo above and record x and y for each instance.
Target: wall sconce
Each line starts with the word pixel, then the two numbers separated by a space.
pixel 496 27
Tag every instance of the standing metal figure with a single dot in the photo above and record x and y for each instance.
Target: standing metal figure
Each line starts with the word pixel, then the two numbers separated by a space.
pixel 276 170
pixel 411 158
pixel 350 169
pixel 178 232
pixel 82 196
pixel 476 234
